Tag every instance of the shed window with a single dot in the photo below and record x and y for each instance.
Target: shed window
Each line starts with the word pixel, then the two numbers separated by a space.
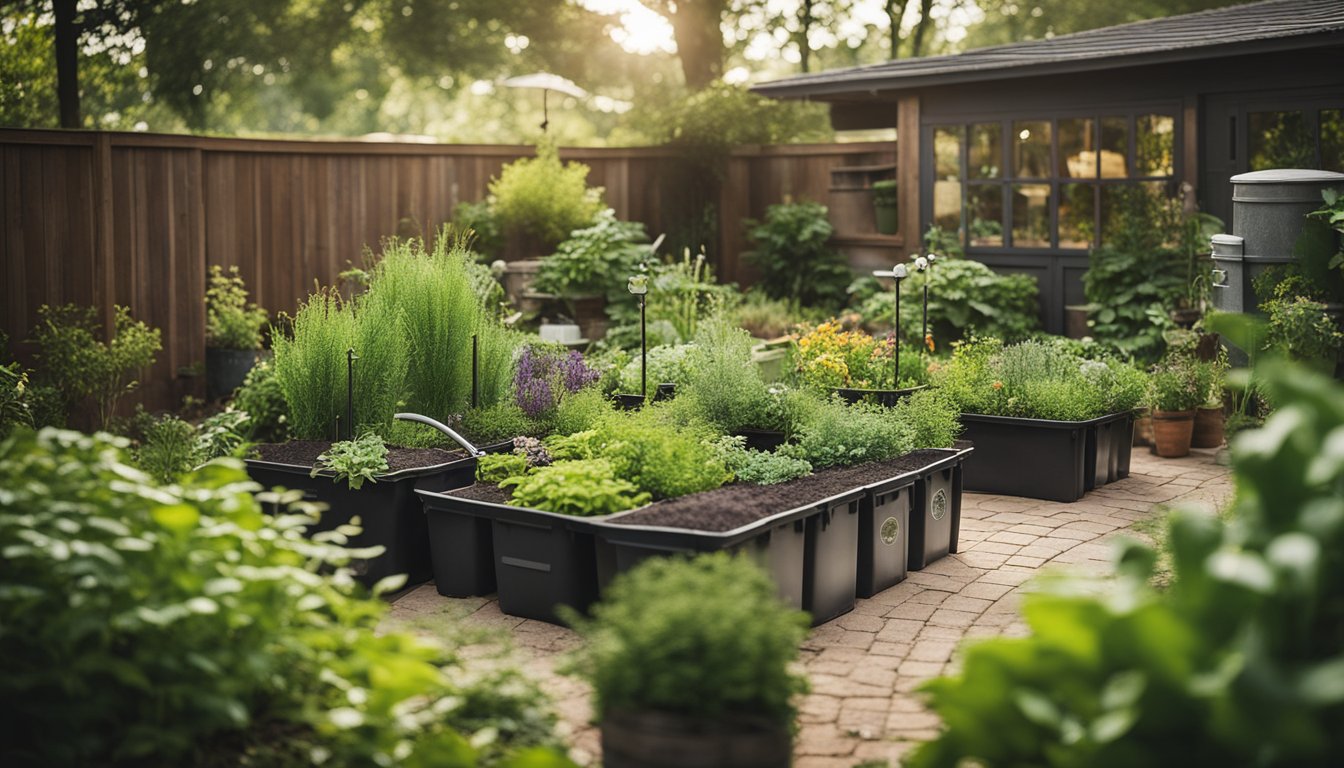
pixel 1287 139
pixel 1047 183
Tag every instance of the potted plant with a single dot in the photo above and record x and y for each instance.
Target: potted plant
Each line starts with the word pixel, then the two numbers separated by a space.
pixel 1210 416
pixel 587 270
pixel 691 663
pixel 1073 417
pixel 884 206
pixel 855 365
pixel 232 332
pixel 1176 386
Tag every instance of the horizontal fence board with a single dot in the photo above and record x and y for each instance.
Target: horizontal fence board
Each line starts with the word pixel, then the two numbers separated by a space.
pixel 103 218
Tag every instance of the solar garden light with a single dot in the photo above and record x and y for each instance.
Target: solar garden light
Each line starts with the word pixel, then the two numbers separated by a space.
pixel 638 285
pixel 925 264
pixel 898 273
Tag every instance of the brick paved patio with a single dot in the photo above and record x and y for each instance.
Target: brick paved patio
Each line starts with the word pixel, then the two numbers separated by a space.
pixel 864 665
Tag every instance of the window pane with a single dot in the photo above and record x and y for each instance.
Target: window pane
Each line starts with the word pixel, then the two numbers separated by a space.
pixel 1031 215
pixel 1114 147
pixel 1031 149
pixel 1332 140
pixel 1132 212
pixel 1078 148
pixel 1077 207
pixel 1155 145
pixel 984 208
pixel 947 206
pixel 1279 140
pixel 985 151
pixel 947 152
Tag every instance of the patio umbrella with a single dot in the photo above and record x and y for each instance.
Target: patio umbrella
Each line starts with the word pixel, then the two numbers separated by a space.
pixel 547 82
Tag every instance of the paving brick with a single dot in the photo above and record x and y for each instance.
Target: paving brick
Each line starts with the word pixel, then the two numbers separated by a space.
pixel 961 602
pixel 985 590
pixel 951 618
pixel 930 597
pixel 910 610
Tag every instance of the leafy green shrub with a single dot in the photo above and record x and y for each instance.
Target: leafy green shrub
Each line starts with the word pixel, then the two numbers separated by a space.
pixel 501 421
pixel 15 410
pixel 658 458
pixel 180 625
pixel 765 468
pixel 167 449
pixel 767 318
pixel 1178 383
pixel 73 358
pixel 584 488
pixel 222 434
pixel 667 365
pixel 595 260
pixel 706 638
pixel 231 322
pixel 311 365
pixel 355 461
pixel 966 298
pixel 543 197
pixel 933 418
pixel 1235 663
pixel 1300 328
pixel 580 411
pixel 836 435
pixel 578 445
pixel 498 467
pixel 724 387
pixel 263 400
pixel 797 263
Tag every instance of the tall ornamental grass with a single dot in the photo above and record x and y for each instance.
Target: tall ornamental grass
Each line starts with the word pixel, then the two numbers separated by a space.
pixel 310 365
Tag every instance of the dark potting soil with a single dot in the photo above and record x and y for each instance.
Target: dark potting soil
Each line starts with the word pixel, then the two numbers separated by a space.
pixel 304 453
pixel 739 504
pixel 488 492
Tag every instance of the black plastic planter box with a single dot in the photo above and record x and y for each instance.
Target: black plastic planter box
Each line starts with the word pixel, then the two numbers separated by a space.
pixel 1044 459
pixel 935 508
pixel 883 397
pixel 389 511
pixel 809 551
pixel 540 560
pixel 884 533
pixel 762 439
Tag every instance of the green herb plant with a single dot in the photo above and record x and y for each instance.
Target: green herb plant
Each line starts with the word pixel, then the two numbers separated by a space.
pixel 167 449
pixel 1179 383
pixel 543 197
pixel 183 625
pixel 497 467
pixel 263 400
pixel 231 321
pixel 724 387
pixel 73 357
pixel 594 260
pixel 666 365
pixel 706 638
pixel 583 488
pixel 834 434
pixel 792 250
pixel 1237 662
pixel 355 461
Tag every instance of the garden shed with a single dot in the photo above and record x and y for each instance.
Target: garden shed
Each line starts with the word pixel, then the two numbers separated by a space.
pixel 1022 148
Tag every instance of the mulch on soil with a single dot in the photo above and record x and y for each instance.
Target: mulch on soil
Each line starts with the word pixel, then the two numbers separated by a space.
pixel 739 504
pixel 488 492
pixel 304 453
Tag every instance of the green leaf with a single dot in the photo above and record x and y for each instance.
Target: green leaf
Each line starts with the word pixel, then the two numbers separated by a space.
pixel 177 517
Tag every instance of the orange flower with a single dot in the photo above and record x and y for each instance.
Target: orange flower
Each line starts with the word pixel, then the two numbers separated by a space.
pixel 928 341
pixel 997 385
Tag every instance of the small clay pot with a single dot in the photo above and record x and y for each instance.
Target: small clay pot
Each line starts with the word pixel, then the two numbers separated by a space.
pixel 1208 430
pixel 1172 431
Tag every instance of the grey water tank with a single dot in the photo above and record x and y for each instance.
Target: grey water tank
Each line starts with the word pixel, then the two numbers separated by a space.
pixel 1269 210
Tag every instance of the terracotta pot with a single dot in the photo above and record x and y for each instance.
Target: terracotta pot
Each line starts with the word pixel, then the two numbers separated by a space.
pixel 1143 430
pixel 1208 430
pixel 1172 431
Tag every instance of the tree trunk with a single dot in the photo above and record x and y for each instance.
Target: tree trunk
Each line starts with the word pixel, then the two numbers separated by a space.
pixel 895 12
pixel 917 42
pixel 67 63
pixel 805 21
pixel 695 25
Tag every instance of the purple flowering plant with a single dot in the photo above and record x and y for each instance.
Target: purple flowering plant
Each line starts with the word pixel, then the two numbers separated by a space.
pixel 545 374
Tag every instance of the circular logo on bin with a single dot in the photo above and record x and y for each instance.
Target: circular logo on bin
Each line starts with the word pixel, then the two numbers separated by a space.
pixel 891 528
pixel 939 507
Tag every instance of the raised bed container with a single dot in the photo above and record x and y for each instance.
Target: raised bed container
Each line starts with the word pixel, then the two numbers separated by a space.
pixel 1045 459
pixel 389 511
pixel 883 397
pixel 935 508
pixel 884 533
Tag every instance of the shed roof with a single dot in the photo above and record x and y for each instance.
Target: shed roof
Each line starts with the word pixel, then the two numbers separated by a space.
pixel 1255 27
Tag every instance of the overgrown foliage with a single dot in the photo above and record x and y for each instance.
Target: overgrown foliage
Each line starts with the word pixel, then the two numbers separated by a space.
pixel 595 260
pixel 179 625
pixel 706 638
pixel 724 387
pixel 263 400
pixel 75 359
pixel 834 434
pixel 791 248
pixel 543 197
pixel 231 321
pixel 1037 380
pixel 1237 662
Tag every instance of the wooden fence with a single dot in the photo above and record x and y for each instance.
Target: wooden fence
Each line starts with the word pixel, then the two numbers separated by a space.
pixel 100 219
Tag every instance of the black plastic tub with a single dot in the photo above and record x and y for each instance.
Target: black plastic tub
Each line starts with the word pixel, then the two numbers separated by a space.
pixel 884 533
pixel 540 560
pixel 389 511
pixel 809 550
pixel 883 397
pixel 935 508
pixel 1044 459
pixel 762 439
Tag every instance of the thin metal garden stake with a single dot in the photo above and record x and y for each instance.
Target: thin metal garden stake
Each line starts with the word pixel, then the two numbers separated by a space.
pixel 898 273
pixel 475 368
pixel 638 285
pixel 350 358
